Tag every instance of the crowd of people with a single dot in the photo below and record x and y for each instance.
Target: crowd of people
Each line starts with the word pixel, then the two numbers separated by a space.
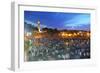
pixel 58 49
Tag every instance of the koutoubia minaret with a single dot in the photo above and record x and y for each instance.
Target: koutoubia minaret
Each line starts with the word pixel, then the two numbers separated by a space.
pixel 38 26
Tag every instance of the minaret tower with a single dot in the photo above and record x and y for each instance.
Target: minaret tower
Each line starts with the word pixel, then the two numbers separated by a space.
pixel 38 26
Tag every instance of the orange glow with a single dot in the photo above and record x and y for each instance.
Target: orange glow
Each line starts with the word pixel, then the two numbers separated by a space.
pixel 69 34
pixel 75 34
pixel 64 34
pixel 88 34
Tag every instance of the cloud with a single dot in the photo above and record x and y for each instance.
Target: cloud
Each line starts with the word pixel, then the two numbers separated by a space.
pixel 43 26
pixel 29 22
pixel 35 24
pixel 78 20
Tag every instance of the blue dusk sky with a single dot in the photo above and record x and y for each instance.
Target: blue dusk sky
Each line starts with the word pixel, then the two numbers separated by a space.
pixel 59 20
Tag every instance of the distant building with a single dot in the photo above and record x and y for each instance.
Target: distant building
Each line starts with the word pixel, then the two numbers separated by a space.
pixel 38 26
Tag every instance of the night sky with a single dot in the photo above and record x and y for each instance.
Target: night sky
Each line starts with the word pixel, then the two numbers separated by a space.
pixel 59 20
